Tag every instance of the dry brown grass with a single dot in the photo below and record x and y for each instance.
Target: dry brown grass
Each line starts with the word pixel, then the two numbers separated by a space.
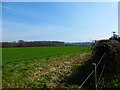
pixel 57 69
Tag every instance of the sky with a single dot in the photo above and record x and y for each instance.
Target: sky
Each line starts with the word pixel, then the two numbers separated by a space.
pixel 59 21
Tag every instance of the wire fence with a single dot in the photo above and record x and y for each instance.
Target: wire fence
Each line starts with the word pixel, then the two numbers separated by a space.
pixel 100 79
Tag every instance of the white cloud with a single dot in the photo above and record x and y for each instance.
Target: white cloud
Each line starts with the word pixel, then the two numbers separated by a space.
pixel 6 7
pixel 11 9
pixel 14 31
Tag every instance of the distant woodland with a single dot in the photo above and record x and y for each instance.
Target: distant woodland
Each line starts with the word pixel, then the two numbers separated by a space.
pixel 22 43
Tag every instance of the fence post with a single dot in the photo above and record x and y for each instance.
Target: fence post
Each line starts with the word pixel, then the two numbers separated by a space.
pixel 95 67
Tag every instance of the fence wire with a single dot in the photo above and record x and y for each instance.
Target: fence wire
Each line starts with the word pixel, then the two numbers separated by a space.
pixel 99 81
pixel 86 79
pixel 100 60
pixel 101 73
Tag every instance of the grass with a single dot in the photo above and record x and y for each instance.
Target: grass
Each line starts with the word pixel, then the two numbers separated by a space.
pixel 40 67
pixel 11 55
pixel 112 81
pixel 42 73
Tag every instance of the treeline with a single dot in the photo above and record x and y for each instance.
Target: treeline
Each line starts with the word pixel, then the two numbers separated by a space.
pixel 22 43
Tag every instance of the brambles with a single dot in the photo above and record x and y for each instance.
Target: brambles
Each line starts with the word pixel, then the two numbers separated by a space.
pixel 111 61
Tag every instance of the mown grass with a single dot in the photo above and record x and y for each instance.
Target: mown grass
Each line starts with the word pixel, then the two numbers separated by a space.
pixel 10 55
pixel 39 67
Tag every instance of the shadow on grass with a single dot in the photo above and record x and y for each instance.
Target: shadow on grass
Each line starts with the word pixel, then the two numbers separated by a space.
pixel 79 74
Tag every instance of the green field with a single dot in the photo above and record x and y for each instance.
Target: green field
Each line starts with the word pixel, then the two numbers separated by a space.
pixel 10 55
pixel 40 67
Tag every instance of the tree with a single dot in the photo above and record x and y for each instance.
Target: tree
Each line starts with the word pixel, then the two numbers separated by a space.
pixel 20 43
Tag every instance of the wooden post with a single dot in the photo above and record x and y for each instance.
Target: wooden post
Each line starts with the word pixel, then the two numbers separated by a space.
pixel 95 75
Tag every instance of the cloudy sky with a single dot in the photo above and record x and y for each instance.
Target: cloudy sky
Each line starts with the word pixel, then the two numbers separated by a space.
pixel 59 21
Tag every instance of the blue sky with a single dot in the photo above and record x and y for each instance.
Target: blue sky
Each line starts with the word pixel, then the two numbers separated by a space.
pixel 59 21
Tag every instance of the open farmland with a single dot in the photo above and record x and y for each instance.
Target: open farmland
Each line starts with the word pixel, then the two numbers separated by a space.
pixel 40 67
pixel 10 55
